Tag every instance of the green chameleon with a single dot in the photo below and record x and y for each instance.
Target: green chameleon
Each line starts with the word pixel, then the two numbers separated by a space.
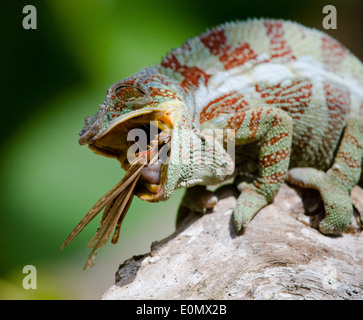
pixel 292 96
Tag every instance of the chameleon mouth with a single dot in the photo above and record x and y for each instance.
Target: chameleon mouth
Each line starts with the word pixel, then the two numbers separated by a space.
pixel 146 173
pixel 133 137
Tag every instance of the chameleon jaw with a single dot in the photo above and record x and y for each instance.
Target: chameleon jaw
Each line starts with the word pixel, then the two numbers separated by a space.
pixel 114 142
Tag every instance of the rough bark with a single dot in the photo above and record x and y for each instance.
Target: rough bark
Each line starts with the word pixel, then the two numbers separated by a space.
pixel 280 256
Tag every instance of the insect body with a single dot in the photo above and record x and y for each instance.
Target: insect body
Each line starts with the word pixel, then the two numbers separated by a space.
pixel 292 95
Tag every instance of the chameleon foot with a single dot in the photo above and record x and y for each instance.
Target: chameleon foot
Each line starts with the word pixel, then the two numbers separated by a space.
pixel 248 204
pixel 335 196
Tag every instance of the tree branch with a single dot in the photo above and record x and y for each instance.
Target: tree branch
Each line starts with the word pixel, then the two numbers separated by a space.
pixel 279 257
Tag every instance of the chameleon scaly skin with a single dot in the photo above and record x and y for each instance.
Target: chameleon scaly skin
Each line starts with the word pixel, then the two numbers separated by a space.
pixel 293 95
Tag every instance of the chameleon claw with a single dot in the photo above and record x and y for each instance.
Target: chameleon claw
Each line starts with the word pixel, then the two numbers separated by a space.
pixel 239 224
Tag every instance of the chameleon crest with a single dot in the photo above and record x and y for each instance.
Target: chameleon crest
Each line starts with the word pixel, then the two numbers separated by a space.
pixel 293 97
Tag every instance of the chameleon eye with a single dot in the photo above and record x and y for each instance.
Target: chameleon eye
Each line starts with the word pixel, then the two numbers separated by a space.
pixel 129 94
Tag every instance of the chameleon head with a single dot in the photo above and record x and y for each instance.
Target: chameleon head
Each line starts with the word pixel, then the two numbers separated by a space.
pixel 136 111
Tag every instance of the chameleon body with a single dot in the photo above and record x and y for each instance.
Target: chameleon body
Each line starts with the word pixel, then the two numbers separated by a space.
pixel 292 95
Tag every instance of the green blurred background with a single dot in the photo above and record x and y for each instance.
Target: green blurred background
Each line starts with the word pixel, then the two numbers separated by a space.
pixel 54 76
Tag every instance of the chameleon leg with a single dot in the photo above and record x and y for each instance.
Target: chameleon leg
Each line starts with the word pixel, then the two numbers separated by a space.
pixel 336 184
pixel 272 128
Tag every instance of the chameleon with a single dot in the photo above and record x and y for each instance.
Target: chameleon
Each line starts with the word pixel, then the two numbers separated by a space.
pixel 291 95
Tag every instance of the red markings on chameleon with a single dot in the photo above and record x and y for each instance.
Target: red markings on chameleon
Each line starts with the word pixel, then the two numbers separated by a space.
pixel 166 93
pixel 333 53
pixel 273 140
pixel 348 159
pixel 192 75
pixel 275 158
pixel 238 57
pixel 352 140
pixel 293 97
pixel 216 42
pixel 230 103
pixel 277 177
pixel 338 99
pixel 255 122
pixel 338 102
pixel 279 48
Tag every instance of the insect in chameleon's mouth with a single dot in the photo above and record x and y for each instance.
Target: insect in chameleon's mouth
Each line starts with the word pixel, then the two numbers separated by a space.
pixel 151 173
pixel 128 139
